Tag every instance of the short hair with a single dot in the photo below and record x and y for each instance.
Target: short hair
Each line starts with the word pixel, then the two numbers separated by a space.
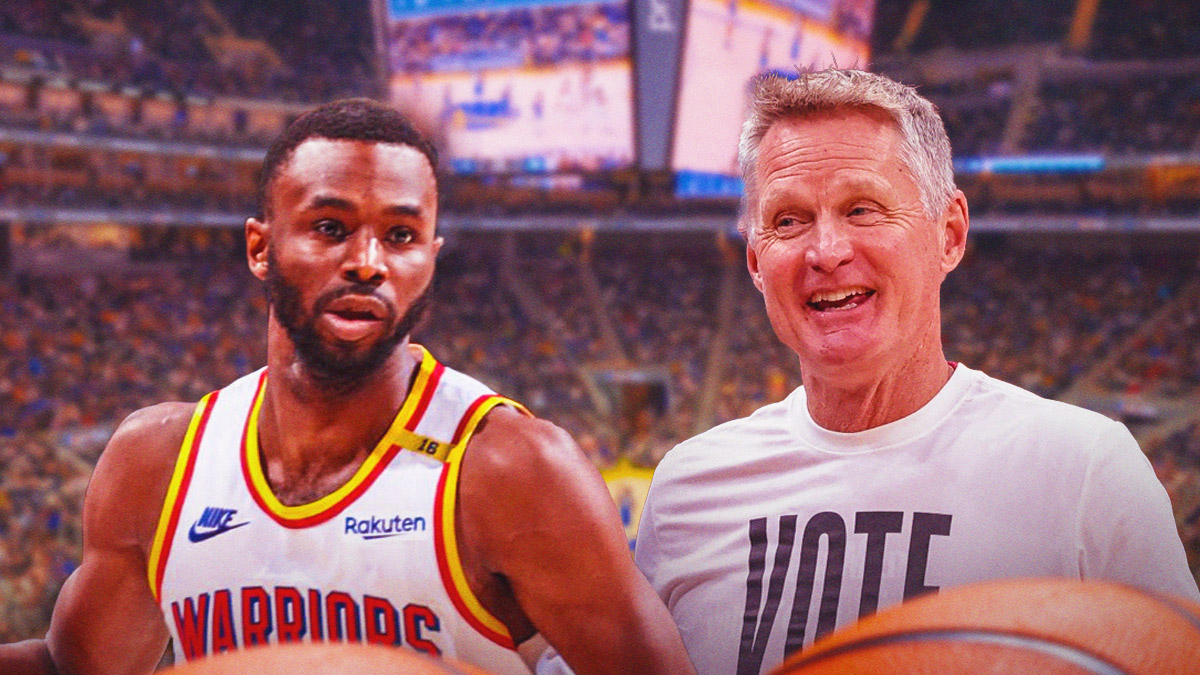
pixel 352 119
pixel 924 146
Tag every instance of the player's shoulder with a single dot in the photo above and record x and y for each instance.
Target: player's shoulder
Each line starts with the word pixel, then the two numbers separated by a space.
pixel 130 480
pixel 160 429
pixel 509 442
pixel 152 433
pixel 731 443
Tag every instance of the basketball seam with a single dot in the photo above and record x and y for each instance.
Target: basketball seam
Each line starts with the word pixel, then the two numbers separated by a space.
pixel 1075 655
pixel 1179 609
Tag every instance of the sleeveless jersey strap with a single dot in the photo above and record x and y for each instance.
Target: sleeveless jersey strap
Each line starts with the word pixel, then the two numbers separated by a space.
pixel 446 539
pixel 168 519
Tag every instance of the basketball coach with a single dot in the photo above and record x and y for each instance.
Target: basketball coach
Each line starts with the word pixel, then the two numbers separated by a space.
pixel 891 472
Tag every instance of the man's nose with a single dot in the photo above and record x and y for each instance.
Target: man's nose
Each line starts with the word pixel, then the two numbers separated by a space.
pixel 365 261
pixel 830 248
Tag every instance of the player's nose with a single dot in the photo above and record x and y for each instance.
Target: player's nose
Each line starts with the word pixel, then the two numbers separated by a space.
pixel 365 260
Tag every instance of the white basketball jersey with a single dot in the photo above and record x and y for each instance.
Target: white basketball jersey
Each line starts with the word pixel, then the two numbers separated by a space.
pixel 374 562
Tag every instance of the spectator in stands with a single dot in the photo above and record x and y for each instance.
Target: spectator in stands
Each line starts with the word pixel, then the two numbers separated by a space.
pixel 162 46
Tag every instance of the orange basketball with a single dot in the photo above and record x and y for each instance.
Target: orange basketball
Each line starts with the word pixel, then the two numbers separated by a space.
pixel 1052 626
pixel 324 659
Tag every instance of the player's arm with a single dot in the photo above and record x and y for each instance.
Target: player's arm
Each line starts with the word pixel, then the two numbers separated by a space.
pixel 535 514
pixel 106 620
pixel 26 658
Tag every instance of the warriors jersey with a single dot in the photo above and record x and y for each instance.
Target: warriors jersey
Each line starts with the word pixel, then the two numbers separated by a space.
pixel 375 561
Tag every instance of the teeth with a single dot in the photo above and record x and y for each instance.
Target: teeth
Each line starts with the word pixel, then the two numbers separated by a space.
pixel 838 295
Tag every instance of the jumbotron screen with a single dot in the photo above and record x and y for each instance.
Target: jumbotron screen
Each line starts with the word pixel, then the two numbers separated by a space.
pixel 727 45
pixel 517 85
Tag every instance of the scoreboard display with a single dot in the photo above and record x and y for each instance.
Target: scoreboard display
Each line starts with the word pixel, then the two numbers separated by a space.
pixel 568 86
pixel 516 85
pixel 728 43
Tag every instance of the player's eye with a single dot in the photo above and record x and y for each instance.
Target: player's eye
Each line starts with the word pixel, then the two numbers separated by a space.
pixel 330 228
pixel 400 235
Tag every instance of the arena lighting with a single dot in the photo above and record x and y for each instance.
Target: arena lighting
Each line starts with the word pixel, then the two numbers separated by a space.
pixel 1030 164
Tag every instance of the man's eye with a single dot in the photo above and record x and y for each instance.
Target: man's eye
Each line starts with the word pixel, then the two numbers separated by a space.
pixel 870 211
pixel 331 228
pixel 400 235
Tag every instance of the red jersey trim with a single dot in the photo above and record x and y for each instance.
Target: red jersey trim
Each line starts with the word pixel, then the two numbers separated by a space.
pixel 181 479
pixel 445 537
pixel 322 510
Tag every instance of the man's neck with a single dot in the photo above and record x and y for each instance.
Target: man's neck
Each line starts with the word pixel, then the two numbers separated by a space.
pixel 848 404
pixel 307 428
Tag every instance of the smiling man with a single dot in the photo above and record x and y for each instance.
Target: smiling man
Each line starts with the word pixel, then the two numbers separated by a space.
pixel 891 472
pixel 354 489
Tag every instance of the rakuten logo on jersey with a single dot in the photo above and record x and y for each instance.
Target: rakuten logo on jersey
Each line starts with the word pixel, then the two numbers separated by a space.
pixel 375 527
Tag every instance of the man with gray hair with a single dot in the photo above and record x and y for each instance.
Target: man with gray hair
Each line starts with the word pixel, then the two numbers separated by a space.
pixel 891 472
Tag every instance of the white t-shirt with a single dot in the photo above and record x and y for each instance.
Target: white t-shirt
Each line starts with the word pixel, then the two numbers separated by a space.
pixel 766 532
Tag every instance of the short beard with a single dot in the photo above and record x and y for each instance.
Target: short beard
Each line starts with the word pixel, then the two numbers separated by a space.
pixel 331 366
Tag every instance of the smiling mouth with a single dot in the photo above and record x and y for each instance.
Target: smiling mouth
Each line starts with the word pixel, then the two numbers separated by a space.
pixel 842 299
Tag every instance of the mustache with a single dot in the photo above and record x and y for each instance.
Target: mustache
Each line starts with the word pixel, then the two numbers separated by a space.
pixel 354 288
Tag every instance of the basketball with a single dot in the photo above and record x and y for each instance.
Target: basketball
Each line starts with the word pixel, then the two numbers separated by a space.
pixel 1055 626
pixel 324 659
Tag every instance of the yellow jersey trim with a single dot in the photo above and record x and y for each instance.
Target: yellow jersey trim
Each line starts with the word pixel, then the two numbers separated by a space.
pixel 396 437
pixel 168 519
pixel 454 568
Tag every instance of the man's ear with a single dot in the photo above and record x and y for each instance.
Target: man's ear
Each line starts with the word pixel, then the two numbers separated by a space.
pixel 954 232
pixel 752 265
pixel 257 233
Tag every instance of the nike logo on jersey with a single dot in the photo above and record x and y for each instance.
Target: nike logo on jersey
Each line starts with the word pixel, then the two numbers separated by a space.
pixel 213 521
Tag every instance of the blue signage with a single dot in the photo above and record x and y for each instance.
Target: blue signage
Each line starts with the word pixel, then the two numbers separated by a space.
pixel 1030 164
pixel 407 9
pixel 706 185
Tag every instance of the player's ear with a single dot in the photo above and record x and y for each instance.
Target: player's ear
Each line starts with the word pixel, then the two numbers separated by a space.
pixel 256 246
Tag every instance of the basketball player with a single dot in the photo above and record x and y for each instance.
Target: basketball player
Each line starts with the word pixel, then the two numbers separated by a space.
pixel 355 489
pixel 891 472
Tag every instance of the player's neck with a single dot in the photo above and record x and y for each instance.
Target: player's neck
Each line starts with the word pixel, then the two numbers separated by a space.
pixel 848 404
pixel 306 423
